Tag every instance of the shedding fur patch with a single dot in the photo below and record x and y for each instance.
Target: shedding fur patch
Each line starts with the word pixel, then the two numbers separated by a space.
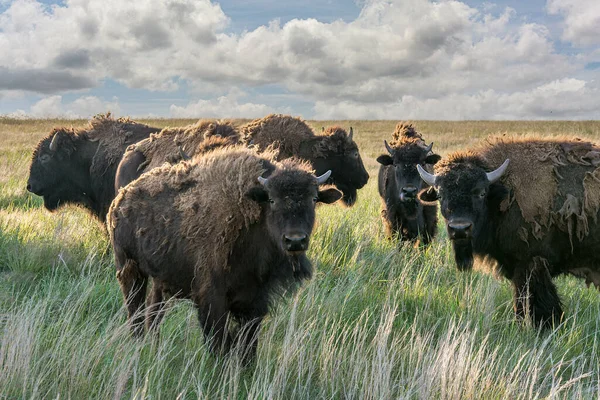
pixel 555 181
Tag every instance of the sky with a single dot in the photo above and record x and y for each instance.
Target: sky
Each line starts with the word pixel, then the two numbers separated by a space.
pixel 318 59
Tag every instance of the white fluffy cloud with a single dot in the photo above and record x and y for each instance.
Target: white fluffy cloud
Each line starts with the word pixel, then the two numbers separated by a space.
pixel 413 55
pixel 582 20
pixel 224 106
pixel 82 107
pixel 560 99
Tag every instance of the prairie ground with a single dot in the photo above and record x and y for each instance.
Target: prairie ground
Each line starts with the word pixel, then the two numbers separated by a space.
pixel 377 320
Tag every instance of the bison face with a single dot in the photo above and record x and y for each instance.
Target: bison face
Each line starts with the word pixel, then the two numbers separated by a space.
pixel 288 198
pixel 403 162
pixel 467 194
pixel 339 153
pixel 53 174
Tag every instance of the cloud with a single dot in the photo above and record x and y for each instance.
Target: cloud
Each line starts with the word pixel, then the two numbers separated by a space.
pixel 407 54
pixel 581 20
pixel 560 99
pixel 82 107
pixel 41 80
pixel 223 107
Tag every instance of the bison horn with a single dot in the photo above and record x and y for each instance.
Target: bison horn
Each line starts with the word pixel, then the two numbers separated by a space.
pixel 428 148
pixel 54 142
pixel 350 134
pixel 426 176
pixel 389 149
pixel 262 181
pixel 323 178
pixel 183 154
pixel 497 173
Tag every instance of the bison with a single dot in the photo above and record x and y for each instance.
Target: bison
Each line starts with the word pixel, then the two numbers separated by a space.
pixel 332 150
pixel 531 205
pixel 228 229
pixel 399 183
pixel 78 166
pixel 172 145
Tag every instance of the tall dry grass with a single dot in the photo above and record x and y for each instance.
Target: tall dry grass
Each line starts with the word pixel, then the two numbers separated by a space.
pixel 376 321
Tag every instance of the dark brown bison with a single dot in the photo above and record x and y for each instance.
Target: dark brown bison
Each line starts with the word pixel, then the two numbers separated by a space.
pixel 172 145
pixel 536 215
pixel 228 230
pixel 399 183
pixel 77 166
pixel 332 150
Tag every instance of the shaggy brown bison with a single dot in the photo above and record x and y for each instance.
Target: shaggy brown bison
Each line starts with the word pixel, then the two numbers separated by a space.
pixel 78 166
pixel 399 183
pixel 332 150
pixel 228 230
pixel 172 145
pixel 537 215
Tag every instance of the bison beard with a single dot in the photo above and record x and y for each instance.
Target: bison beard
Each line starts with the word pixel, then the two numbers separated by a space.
pixel 350 194
pixel 463 254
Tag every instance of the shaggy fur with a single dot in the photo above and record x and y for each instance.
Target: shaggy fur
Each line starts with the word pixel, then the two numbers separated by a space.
pixel 281 132
pixel 402 214
pixel 207 230
pixel 331 150
pixel 538 221
pixel 405 132
pixel 172 145
pixel 82 169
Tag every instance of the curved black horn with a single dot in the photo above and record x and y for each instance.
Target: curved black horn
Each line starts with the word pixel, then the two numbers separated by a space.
pixel 428 148
pixel 350 134
pixel 263 181
pixel 323 178
pixel 497 173
pixel 54 143
pixel 389 149
pixel 426 176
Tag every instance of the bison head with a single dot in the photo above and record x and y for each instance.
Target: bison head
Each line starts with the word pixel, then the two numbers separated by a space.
pixel 56 172
pixel 289 197
pixel 339 153
pixel 467 195
pixel 403 160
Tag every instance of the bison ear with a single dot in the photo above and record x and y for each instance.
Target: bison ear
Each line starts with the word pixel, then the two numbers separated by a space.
pixel 498 197
pixel 432 159
pixel 384 159
pixel 329 196
pixel 258 194
pixel 428 195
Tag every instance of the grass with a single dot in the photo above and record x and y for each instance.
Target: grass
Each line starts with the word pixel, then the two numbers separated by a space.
pixel 376 321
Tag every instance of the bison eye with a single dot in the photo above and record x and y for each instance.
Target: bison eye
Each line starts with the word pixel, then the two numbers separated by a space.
pixel 271 201
pixel 315 199
pixel 44 157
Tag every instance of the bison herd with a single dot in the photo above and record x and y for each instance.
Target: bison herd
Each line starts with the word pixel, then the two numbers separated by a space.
pixel 222 214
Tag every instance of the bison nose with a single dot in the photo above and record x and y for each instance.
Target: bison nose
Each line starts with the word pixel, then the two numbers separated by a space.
pixel 408 193
pixel 295 242
pixel 29 187
pixel 460 229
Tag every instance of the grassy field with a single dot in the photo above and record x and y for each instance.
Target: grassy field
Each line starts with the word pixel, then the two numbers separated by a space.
pixel 375 322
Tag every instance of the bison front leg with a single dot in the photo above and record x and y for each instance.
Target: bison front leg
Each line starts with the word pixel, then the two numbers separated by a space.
pixel 155 308
pixel 248 338
pixel 133 286
pixel 214 319
pixel 535 295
